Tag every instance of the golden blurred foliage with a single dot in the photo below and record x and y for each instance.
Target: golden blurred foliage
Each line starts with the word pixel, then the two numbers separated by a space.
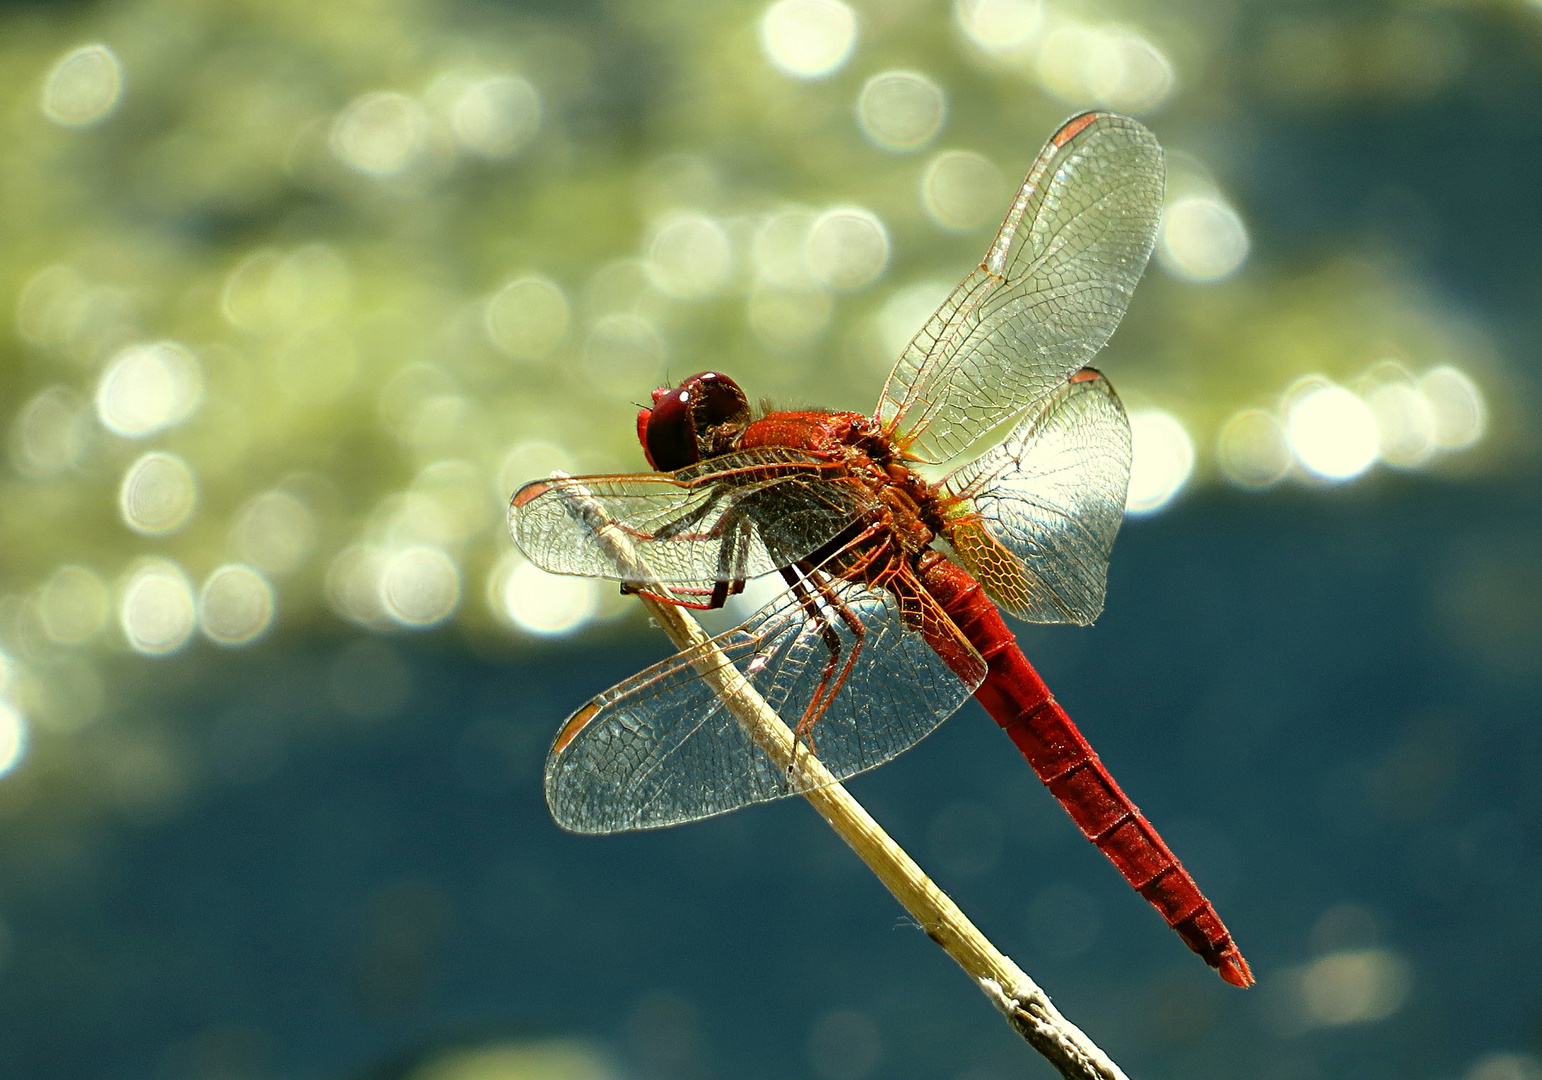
pixel 301 292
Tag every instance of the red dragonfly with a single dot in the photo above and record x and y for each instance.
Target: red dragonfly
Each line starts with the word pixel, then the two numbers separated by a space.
pixel 880 636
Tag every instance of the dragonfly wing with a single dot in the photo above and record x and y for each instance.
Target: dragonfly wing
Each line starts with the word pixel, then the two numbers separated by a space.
pixel 738 516
pixel 1040 511
pixel 1053 286
pixel 661 748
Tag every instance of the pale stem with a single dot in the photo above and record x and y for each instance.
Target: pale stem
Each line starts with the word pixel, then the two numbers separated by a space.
pixel 1026 1006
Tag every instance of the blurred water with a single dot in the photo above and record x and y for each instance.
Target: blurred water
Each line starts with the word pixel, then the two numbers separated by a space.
pixel 1292 687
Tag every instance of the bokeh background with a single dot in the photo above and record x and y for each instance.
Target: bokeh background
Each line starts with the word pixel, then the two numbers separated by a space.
pixel 297 293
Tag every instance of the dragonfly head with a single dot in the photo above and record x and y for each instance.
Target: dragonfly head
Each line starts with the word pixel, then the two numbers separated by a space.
pixel 698 419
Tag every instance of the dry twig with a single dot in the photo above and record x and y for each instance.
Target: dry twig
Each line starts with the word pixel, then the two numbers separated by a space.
pixel 1026 1006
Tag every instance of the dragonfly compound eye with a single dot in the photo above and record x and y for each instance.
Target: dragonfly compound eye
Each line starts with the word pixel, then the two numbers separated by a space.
pixel 698 419
pixel 717 400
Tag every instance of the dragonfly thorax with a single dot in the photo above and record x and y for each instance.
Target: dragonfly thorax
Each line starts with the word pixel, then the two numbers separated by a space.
pixel 905 508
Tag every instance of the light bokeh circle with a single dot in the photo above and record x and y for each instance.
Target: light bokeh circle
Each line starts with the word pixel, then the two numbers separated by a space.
pixel 528 318
pixel 73 605
pixel 1161 460
pixel 156 609
pixel 901 110
pixel 1333 433
pixel 14 737
pixel 963 190
pixel 847 248
pixel 547 605
pixel 1251 449
pixel 1202 239
pixel 83 87
pixel 157 494
pixel 147 388
pixel 419 586
pixel 235 605
pixel 808 39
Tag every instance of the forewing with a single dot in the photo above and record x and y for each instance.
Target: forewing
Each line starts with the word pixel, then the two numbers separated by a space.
pixel 661 748
pixel 1040 511
pixel 738 516
pixel 1053 286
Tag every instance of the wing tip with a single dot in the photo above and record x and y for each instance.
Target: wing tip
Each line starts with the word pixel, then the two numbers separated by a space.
pixel 1075 126
pixel 529 493
pixel 575 724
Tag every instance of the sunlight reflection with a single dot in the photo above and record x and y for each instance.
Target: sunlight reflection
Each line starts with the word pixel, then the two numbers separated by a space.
pixel 689 257
pixel 623 352
pixel 457 490
pixel 156 609
pixel 904 314
pixel 788 320
pixel 619 285
pixel 1251 449
pixel 353 585
pixel 274 291
pixel 73 605
pixel 157 494
pixel 51 303
pixel 380 133
pixel 779 249
pixel 518 1059
pixel 1460 415
pixel 496 117
pixel 1202 239
pixel 419 586
pixel 547 605
pixel 848 248
pixel 275 532
pixel 235 606
pixel 999 26
pixel 1332 433
pixel 50 432
pixel 962 190
pixel 901 110
pixel 83 87
pixel 1405 423
pixel 147 388
pixel 527 318
pixel 1109 66
pixel 408 519
pixel 1504 1066
pixel 533 459
pixel 1355 986
pixel 808 39
pixel 1161 460
pixel 13 737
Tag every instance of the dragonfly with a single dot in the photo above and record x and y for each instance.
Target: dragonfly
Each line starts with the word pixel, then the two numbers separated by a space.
pixel 891 615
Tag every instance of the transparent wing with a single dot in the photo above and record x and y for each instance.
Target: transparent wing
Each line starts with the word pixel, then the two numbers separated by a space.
pixel 1052 288
pixel 738 516
pixel 661 748
pixel 1040 511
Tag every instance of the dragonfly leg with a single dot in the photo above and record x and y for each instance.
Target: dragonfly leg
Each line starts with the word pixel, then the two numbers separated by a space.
pixel 732 563
pixel 675 598
pixel 733 566
pixel 677 528
pixel 843 657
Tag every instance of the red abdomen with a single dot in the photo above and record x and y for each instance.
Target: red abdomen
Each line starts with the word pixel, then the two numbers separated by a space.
pixel 1018 700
